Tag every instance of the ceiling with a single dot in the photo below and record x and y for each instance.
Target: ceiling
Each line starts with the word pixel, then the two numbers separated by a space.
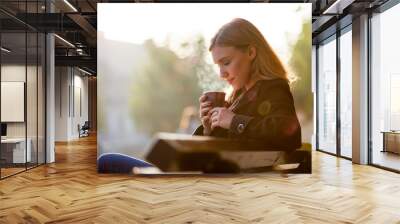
pixel 76 22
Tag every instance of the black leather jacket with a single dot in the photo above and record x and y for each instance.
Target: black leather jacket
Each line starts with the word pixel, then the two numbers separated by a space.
pixel 265 112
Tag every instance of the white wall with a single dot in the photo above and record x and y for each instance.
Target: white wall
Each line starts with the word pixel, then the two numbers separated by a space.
pixel 10 73
pixel 16 73
pixel 33 127
pixel 62 81
pixel 81 100
pixel 71 93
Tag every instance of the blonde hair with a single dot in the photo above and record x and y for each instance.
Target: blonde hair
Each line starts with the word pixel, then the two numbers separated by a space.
pixel 242 34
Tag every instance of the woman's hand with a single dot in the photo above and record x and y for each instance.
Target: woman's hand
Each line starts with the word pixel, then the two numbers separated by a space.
pixel 205 107
pixel 221 117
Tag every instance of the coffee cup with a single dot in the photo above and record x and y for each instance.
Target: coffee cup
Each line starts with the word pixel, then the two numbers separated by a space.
pixel 217 99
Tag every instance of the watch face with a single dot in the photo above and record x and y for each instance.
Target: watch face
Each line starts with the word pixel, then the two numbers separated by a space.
pixel 240 128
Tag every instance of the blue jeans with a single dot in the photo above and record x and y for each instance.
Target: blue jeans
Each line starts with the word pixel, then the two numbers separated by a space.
pixel 119 163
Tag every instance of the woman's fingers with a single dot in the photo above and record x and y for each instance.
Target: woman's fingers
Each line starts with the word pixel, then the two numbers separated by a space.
pixel 214 112
pixel 204 111
pixel 214 125
pixel 205 104
pixel 205 119
pixel 214 117
pixel 215 109
pixel 204 108
pixel 202 98
pixel 214 122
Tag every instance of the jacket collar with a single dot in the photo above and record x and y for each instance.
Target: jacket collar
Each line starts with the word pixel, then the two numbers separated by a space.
pixel 246 97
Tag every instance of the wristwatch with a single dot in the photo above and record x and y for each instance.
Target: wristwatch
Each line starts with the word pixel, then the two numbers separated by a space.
pixel 239 123
pixel 240 128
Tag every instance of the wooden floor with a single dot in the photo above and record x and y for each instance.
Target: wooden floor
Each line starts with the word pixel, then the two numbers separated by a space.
pixel 70 191
pixel 5 172
pixel 10 171
pixel 387 159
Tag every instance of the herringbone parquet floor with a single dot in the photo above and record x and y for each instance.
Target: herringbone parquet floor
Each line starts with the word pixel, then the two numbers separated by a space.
pixel 70 191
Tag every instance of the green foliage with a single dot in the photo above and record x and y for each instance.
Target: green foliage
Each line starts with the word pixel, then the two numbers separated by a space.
pixel 300 64
pixel 165 86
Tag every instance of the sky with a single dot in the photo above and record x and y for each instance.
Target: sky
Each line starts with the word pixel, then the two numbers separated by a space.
pixel 176 22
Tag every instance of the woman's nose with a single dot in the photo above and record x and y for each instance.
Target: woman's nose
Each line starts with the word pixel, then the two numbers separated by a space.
pixel 222 73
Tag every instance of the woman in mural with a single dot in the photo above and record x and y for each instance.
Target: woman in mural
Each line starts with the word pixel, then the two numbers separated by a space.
pixel 260 107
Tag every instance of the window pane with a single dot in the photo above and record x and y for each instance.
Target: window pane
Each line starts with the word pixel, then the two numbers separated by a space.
pixel 31 100
pixel 327 96
pixel 345 94
pixel 14 150
pixel 385 88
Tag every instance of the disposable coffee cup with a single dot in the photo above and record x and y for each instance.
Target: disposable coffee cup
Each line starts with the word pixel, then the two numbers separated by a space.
pixel 217 99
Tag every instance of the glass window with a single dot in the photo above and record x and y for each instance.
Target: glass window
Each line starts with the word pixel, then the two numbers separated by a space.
pixel 22 92
pixel 327 96
pixel 313 87
pixel 346 94
pixel 385 87
pixel 14 150
pixel 31 101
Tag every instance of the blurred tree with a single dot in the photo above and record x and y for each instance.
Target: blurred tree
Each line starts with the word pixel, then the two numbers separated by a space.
pixel 208 78
pixel 167 85
pixel 300 64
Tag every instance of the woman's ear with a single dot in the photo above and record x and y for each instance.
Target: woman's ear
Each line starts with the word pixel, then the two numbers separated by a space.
pixel 252 52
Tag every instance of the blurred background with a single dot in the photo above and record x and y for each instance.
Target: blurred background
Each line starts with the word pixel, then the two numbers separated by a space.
pixel 154 65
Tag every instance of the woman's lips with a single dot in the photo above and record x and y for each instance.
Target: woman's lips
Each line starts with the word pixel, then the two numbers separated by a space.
pixel 231 80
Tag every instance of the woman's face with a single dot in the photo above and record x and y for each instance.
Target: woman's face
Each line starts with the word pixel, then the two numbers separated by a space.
pixel 234 64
